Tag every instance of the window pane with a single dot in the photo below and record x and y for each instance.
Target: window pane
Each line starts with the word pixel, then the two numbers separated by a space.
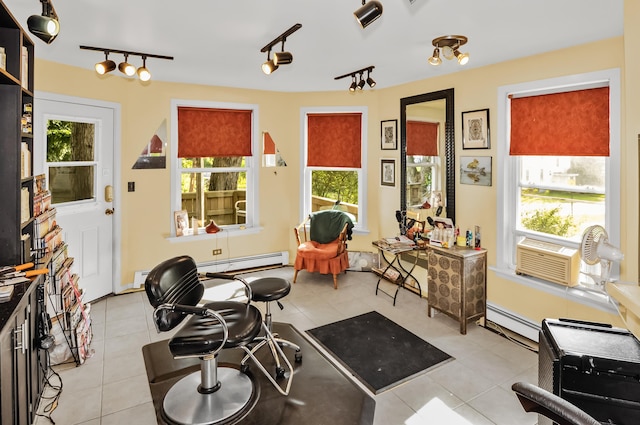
pixel 69 184
pixel 70 141
pixel 221 162
pixel 213 196
pixel 331 187
pixel 561 195
pixel 420 171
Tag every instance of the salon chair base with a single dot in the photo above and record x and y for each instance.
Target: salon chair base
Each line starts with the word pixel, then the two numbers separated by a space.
pixel 233 400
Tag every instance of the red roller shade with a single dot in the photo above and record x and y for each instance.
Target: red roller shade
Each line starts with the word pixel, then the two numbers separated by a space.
pixel 574 123
pixel 209 132
pixel 422 138
pixel 334 140
pixel 269 145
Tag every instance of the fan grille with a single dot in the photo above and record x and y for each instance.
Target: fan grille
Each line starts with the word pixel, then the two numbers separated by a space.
pixel 590 239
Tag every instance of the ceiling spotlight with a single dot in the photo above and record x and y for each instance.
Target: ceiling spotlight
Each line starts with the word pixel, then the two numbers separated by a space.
pixel 126 68
pixel 360 82
pixel 435 59
pixel 46 26
pixel 370 80
pixel 353 85
pixel 269 66
pixel 449 45
pixel 279 58
pixel 143 72
pixel 368 12
pixel 106 65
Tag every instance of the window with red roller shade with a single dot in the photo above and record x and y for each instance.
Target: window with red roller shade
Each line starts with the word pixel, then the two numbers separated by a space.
pixel 214 173
pixel 334 148
pixel 560 160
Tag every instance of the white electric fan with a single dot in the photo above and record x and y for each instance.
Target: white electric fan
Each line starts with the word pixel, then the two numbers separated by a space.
pixel 595 248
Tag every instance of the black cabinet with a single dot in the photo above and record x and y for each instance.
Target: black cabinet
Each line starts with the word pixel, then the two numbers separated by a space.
pixel 21 371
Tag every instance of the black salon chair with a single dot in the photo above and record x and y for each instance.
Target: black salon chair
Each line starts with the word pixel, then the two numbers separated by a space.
pixel 214 394
pixel 538 400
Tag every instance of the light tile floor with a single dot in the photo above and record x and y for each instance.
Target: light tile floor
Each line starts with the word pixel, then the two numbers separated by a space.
pixel 475 388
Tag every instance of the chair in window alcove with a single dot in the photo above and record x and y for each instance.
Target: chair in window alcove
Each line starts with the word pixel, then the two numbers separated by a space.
pixel 324 247
pixel 215 394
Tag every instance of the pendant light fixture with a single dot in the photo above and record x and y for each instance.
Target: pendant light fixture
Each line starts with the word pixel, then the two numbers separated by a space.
pixel 46 26
pixel 368 12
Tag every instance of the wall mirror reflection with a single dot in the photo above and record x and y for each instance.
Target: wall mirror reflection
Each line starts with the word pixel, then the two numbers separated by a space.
pixel 271 155
pixel 427 156
pixel 153 154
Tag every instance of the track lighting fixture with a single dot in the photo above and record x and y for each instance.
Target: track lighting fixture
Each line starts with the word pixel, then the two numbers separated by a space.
pixel 449 44
pixel 368 12
pixel 106 65
pixel 279 58
pixel 46 26
pixel 125 67
pixel 359 84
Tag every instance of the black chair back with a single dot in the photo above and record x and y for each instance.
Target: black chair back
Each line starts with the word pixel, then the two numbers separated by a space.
pixel 174 281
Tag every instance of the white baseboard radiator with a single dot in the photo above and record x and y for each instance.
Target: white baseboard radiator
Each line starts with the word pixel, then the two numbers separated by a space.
pixel 513 322
pixel 229 265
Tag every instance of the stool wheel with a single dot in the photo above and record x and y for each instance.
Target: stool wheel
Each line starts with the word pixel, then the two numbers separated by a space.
pixel 244 368
pixel 280 372
pixel 298 356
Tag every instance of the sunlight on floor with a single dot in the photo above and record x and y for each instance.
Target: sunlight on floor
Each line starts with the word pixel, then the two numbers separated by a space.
pixel 437 410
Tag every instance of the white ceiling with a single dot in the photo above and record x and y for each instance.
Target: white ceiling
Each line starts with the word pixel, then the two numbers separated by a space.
pixel 216 42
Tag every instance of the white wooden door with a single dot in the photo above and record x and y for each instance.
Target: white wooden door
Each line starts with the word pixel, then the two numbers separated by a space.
pixel 75 141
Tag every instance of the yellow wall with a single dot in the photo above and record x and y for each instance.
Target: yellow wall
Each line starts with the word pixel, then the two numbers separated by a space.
pixel 145 213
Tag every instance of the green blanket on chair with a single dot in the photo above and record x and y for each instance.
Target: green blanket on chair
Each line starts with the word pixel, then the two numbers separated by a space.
pixel 326 225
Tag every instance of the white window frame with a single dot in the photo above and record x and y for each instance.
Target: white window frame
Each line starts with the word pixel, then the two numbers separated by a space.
pixel 305 171
pixel 252 168
pixel 509 175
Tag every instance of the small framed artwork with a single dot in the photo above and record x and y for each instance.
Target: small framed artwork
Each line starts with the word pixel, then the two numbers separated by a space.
pixel 388 172
pixel 182 222
pixel 389 135
pixel 475 129
pixel 475 170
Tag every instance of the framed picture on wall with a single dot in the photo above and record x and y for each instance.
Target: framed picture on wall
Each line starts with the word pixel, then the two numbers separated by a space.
pixel 389 135
pixel 388 172
pixel 475 170
pixel 475 129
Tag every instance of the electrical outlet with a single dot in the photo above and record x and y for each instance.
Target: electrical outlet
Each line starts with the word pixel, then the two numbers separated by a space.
pixel 217 251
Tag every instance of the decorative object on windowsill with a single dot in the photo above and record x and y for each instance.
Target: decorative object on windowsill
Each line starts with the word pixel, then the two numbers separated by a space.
pixel 449 45
pixel 212 227
pixel 181 222
pixel 475 129
pixel 475 170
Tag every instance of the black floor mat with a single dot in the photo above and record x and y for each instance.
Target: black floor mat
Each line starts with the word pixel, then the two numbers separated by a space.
pixel 378 351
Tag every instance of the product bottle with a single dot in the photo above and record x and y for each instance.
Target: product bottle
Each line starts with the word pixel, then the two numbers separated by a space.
pixel 3 58
pixel 469 238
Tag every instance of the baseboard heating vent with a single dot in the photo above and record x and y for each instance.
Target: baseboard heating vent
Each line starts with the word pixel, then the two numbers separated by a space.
pixel 229 265
pixel 513 322
pixel 548 261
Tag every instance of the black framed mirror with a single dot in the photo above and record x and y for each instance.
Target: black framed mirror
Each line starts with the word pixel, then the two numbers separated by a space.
pixel 417 187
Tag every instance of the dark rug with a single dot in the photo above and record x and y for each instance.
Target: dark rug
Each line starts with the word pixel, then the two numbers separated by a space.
pixel 378 351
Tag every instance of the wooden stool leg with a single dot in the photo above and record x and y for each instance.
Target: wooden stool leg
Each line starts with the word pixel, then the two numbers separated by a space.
pixel 295 275
pixel 335 281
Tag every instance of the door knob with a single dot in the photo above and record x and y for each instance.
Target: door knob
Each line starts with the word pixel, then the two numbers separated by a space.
pixel 108 211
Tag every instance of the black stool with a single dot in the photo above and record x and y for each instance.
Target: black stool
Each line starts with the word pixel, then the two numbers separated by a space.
pixel 267 289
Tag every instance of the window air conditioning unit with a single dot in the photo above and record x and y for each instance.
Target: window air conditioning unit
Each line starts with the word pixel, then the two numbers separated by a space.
pixel 548 261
